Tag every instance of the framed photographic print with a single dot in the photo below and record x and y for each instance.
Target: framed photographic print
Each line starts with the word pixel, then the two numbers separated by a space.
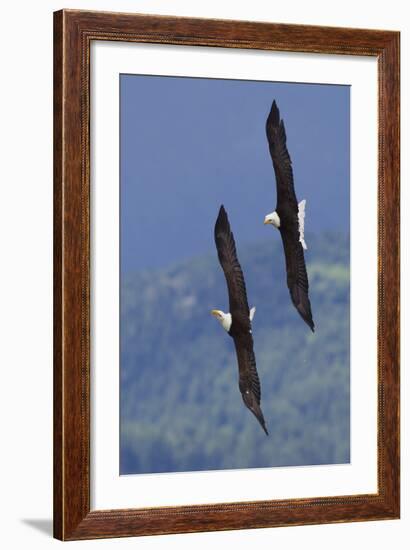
pixel 226 275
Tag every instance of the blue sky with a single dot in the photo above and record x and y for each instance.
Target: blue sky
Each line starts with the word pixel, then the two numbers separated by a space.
pixel 189 145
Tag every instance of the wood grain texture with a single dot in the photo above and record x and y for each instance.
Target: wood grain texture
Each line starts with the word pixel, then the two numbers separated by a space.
pixel 73 32
pixel 57 283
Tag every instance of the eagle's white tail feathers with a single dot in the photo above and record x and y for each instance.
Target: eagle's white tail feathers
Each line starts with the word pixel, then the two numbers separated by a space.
pixel 252 313
pixel 301 220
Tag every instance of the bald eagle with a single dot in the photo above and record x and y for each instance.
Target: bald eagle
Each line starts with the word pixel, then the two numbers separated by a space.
pixel 238 321
pixel 289 217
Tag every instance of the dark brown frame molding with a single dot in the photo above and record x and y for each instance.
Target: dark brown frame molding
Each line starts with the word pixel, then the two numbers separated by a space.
pixel 73 33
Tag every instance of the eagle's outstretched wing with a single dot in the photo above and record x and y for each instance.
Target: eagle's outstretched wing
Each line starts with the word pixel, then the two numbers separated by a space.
pixel 249 384
pixel 282 163
pixel 225 245
pixel 296 277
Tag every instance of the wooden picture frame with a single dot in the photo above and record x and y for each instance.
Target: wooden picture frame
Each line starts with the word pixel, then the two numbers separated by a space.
pixel 74 32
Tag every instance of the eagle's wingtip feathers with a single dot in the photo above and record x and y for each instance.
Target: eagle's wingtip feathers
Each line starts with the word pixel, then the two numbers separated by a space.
pixel 222 212
pixel 274 115
pixel 222 222
pixel 261 421
pixel 309 321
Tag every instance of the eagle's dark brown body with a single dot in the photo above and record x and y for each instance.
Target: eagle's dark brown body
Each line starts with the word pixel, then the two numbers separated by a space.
pixel 240 329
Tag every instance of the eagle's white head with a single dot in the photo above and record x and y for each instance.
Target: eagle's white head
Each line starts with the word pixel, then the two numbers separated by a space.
pixel 273 219
pixel 224 318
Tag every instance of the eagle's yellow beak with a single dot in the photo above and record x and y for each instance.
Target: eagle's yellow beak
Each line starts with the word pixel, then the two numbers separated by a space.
pixel 266 222
pixel 215 312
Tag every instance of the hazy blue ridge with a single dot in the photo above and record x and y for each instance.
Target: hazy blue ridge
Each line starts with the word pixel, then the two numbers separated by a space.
pixel 181 409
